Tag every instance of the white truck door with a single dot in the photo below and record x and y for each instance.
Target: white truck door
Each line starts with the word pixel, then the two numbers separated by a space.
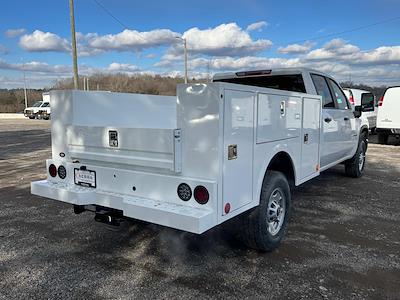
pixel 331 123
pixel 237 183
pixel 348 133
pixel 311 137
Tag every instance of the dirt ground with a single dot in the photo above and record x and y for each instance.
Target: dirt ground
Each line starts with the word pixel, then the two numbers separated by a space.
pixel 343 240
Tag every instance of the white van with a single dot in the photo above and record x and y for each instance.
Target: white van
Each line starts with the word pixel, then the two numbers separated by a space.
pixel 368 117
pixel 388 120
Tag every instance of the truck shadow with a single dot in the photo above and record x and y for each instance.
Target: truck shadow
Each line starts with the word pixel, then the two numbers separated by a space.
pixel 392 140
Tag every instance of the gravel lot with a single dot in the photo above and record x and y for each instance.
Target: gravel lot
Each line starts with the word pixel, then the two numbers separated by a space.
pixel 343 240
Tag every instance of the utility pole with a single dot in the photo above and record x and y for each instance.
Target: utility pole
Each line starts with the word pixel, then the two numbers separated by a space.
pixel 185 56
pixel 73 39
pixel 186 60
pixel 25 93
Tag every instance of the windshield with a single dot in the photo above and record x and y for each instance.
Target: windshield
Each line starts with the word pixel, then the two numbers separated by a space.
pixel 46 104
pixel 293 83
pixel 37 104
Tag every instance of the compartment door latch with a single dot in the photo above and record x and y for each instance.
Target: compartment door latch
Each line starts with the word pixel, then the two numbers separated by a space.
pixel 232 152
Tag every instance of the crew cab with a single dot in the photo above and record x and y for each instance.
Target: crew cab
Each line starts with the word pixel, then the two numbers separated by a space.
pixel 232 148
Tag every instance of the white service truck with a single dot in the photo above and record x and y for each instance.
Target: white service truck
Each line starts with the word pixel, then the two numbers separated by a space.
pixel 232 148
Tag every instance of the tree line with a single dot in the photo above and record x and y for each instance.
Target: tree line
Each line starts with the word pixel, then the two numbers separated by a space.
pixel 12 100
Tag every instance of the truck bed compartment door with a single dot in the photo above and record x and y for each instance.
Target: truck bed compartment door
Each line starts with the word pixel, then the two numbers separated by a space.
pixel 310 157
pixel 238 148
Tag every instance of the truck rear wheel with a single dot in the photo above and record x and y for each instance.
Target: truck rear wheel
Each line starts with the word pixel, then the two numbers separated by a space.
pixel 264 227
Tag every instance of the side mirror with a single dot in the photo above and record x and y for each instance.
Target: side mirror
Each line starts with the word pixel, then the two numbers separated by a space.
pixel 367 102
pixel 357 111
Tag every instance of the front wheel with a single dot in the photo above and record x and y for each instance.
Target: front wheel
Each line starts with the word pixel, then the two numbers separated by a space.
pixel 354 167
pixel 264 227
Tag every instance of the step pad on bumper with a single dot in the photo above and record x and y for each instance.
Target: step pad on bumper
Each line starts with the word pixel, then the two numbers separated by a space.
pixel 192 219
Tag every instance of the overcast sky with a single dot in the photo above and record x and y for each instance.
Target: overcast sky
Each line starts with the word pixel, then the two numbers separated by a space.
pixel 357 40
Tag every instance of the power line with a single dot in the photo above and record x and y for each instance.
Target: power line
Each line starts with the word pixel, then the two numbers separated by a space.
pixel 110 14
pixel 345 31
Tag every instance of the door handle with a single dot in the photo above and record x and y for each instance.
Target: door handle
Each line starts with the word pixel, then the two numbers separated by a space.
pixel 346 118
pixel 283 108
pixel 327 120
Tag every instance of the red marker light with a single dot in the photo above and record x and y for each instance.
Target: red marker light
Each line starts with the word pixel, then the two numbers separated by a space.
pixel 227 208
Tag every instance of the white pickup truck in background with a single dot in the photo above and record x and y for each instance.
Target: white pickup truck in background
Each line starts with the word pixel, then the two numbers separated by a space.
pixel 368 118
pixel 40 109
pixel 232 148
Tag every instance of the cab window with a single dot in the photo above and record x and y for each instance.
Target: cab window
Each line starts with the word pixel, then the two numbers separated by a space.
pixel 322 89
pixel 338 94
pixel 46 104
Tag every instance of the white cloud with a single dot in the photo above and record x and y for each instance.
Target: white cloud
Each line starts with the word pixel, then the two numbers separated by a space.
pixel 119 67
pixel 253 62
pixel 224 40
pixel 380 56
pixel 35 66
pixel 132 40
pixel 296 48
pixel 339 51
pixel 256 26
pixel 10 33
pixel 40 41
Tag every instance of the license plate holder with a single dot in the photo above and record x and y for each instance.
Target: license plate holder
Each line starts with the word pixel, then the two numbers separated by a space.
pixel 85 178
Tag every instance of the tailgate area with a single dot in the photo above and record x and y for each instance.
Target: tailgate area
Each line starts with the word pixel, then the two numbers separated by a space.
pixel 140 195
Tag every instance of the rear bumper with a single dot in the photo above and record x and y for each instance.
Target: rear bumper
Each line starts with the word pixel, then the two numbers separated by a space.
pixel 395 131
pixel 191 219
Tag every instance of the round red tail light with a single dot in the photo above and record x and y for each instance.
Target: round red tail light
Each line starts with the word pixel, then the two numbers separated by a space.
pixel 53 170
pixel 201 194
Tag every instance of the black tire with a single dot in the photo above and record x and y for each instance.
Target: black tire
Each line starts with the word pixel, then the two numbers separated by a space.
pixel 353 167
pixel 31 117
pixel 254 231
pixel 383 138
pixel 373 131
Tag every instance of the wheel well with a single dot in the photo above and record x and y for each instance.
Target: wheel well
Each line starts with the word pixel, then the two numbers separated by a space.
pixel 364 130
pixel 283 163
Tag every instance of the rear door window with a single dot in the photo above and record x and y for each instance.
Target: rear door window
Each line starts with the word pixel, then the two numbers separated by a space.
pixel 322 88
pixel 338 94
pixel 293 83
